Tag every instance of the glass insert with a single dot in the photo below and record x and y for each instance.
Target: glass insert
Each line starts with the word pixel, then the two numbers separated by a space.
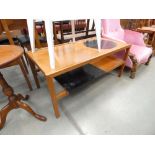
pixel 105 44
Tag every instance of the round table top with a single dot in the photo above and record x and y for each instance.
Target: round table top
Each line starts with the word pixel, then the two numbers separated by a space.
pixel 9 53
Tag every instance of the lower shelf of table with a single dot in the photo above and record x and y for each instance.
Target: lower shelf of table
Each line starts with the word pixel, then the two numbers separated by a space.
pixel 108 64
pixel 88 73
pixel 78 77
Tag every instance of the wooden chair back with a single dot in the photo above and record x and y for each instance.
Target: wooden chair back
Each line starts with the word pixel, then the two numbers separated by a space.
pixel 81 26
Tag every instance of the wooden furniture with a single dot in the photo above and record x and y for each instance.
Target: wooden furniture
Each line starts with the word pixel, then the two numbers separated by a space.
pixel 139 52
pixel 151 32
pixel 16 29
pixel 63 33
pixel 70 56
pixel 12 29
pixel 108 63
pixel 133 24
pixel 14 103
pixel 11 55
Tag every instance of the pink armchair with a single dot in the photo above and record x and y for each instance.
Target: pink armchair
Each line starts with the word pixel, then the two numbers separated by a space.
pixel 139 53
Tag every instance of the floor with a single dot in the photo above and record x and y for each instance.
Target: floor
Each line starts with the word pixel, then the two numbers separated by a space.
pixel 110 105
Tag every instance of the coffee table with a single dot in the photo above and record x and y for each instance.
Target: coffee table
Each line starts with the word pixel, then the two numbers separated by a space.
pixel 70 56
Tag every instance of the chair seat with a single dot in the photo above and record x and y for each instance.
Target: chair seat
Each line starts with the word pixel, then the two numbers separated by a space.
pixel 141 53
pixel 5 41
pixel 23 39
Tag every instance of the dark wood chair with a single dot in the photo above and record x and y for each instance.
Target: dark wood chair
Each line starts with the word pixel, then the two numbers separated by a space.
pixel 63 30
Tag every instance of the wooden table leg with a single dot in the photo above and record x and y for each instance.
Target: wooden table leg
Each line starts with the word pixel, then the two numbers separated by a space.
pixel 51 87
pixel 24 73
pixel 32 65
pixel 125 58
pixel 14 103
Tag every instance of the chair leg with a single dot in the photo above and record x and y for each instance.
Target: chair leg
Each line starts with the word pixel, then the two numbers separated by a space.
pixel 24 73
pixel 134 68
pixel 22 45
pixel 24 64
pixel 26 58
pixel 34 72
pixel 149 59
pixel 133 72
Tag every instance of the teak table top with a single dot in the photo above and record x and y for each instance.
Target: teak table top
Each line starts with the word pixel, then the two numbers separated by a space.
pixel 70 56
pixel 9 53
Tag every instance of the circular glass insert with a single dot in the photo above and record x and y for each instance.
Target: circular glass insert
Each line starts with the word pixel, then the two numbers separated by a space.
pixel 105 44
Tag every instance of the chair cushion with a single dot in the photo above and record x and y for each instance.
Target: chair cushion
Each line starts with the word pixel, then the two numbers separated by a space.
pixel 5 41
pixel 23 39
pixel 141 53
